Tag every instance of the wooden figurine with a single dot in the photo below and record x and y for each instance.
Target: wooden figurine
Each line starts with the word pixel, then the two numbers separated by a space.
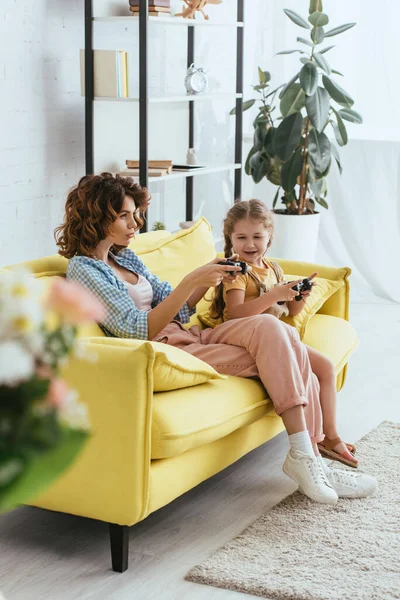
pixel 192 6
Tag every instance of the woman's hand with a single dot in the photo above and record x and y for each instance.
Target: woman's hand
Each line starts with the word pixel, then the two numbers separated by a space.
pixel 211 274
pixel 227 278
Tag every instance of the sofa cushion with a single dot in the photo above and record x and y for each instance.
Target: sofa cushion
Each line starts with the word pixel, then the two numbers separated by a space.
pixel 173 257
pixel 320 294
pixel 190 418
pixel 173 368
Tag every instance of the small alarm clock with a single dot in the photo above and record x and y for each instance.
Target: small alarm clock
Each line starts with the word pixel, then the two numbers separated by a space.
pixel 196 80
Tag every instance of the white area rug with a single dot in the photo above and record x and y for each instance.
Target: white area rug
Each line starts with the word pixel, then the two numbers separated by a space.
pixel 301 550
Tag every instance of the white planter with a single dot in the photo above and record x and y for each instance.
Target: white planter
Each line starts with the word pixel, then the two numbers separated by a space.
pixel 295 237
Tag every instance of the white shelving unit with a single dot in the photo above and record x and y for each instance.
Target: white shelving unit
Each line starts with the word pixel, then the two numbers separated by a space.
pixel 171 21
pixel 174 98
pixel 190 173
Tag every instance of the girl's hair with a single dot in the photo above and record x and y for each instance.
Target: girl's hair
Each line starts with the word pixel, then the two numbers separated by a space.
pixel 251 210
pixel 90 210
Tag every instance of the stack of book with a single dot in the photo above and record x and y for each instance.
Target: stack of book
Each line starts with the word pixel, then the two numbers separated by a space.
pixel 156 168
pixel 157 8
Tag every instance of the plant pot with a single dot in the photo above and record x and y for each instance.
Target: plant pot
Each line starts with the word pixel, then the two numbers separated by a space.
pixel 295 237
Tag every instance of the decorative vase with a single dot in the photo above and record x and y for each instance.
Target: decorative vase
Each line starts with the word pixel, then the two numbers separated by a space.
pixel 295 237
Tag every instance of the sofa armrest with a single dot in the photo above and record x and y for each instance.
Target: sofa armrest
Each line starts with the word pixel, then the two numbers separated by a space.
pixel 110 479
pixel 338 305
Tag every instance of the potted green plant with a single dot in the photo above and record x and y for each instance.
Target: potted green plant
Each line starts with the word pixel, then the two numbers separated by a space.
pixel 293 150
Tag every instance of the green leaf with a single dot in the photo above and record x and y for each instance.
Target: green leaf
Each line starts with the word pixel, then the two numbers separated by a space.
pixel 309 79
pixel 261 76
pixel 42 470
pixel 269 142
pixel 274 171
pixel 293 100
pixel 259 87
pixel 258 166
pixel 322 62
pixel 337 72
pixel 317 107
pixel 337 93
pixel 260 132
pixel 305 60
pixel 336 156
pixel 288 85
pixel 315 6
pixel 339 29
pixel 276 197
pixel 350 115
pixel 245 106
pixel 296 18
pixel 287 135
pixel 316 187
pixel 326 49
pixel 318 35
pixel 291 170
pixel 340 131
pixel 304 41
pixel 322 202
pixel 247 167
pixel 318 19
pixel 290 52
pixel 319 151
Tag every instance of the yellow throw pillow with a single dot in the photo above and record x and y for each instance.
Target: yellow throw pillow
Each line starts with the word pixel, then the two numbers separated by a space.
pixel 319 295
pixel 173 257
pixel 148 240
pixel 173 368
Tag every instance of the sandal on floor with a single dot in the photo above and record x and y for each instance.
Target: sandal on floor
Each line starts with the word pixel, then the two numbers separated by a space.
pixel 326 449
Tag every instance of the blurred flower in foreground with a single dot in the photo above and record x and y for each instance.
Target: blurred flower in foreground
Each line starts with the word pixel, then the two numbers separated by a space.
pixel 43 425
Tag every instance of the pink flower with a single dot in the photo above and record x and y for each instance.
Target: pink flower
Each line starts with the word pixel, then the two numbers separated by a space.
pixel 58 392
pixel 74 303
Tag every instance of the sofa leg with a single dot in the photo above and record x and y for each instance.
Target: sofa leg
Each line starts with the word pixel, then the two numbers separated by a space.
pixel 119 538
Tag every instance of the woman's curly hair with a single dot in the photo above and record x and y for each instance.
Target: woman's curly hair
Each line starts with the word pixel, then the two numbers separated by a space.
pixel 90 210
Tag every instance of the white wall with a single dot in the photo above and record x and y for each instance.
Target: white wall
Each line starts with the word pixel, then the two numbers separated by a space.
pixel 41 121
pixel 42 112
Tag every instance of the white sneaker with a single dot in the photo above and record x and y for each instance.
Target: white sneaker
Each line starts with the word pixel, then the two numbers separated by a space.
pixel 348 484
pixel 307 472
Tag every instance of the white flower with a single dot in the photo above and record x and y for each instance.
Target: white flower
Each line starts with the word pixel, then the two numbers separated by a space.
pixel 73 413
pixel 16 364
pixel 21 310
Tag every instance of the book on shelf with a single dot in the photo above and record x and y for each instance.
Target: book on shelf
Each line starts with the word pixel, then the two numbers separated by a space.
pixel 152 164
pixel 151 172
pixel 154 11
pixel 183 167
pixel 110 73
pixel 163 3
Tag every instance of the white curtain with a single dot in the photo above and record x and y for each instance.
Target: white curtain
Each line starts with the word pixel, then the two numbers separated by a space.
pixel 361 229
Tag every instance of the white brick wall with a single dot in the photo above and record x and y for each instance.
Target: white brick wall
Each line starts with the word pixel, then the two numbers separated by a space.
pixel 41 121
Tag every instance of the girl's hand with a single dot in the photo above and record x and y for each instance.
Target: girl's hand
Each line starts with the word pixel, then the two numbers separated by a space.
pixel 211 274
pixel 283 291
pixel 305 295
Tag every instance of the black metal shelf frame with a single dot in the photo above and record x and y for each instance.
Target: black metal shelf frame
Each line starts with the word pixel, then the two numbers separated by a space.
pixel 144 98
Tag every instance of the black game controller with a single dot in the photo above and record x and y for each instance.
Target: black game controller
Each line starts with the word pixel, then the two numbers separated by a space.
pixel 303 286
pixel 235 263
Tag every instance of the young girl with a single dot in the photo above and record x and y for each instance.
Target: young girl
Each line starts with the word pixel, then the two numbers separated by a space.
pixel 102 214
pixel 248 233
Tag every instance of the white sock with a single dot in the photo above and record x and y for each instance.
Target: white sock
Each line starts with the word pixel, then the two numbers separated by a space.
pixel 301 442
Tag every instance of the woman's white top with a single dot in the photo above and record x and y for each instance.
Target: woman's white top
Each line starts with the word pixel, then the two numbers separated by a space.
pixel 141 293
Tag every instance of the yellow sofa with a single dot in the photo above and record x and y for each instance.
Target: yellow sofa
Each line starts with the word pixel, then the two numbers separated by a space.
pixel 161 423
